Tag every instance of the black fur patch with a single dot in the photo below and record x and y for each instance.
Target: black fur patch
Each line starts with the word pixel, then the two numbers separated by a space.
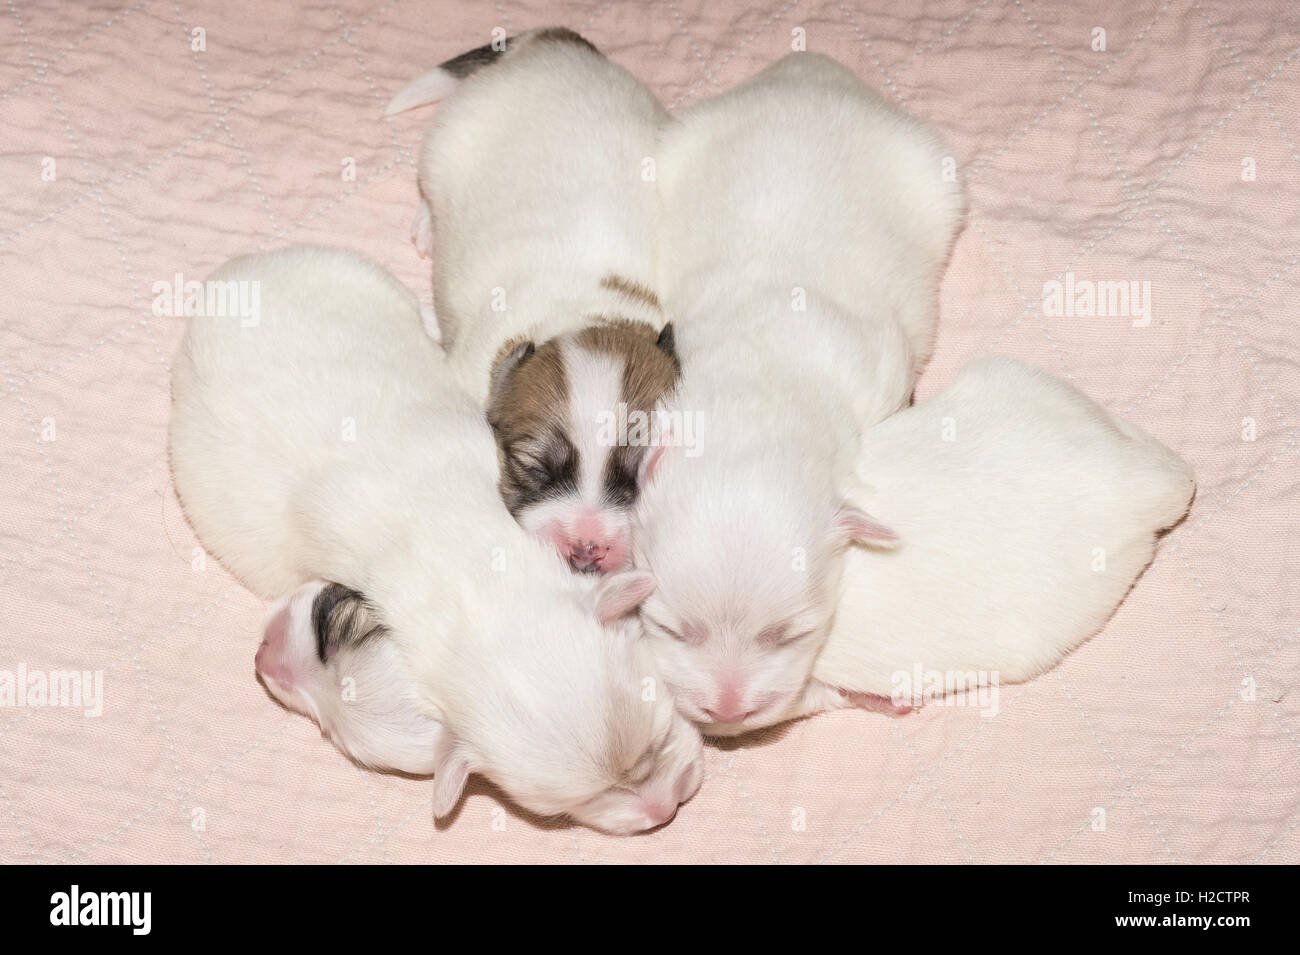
pixel 537 470
pixel 475 59
pixel 667 343
pixel 621 480
pixel 564 35
pixel 341 618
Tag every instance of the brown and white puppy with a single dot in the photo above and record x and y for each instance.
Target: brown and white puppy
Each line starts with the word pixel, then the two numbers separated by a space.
pixel 564 413
pixel 541 215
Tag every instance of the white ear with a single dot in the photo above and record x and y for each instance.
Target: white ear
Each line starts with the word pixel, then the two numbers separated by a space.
pixel 620 594
pixel 451 771
pixel 650 463
pixel 663 438
pixel 855 525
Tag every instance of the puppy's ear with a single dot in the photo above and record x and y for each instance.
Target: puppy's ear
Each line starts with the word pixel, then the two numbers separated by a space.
pixel 667 343
pixel 856 526
pixel 650 462
pixel 654 455
pixel 451 767
pixel 504 369
pixel 620 594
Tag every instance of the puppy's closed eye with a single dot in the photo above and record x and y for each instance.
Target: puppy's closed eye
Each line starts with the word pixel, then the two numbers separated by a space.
pixel 341 618
pixel 690 632
pixel 549 464
pixel 781 634
pixel 620 484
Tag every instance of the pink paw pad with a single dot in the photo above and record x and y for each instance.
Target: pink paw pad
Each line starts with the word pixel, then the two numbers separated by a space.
pixel 877 703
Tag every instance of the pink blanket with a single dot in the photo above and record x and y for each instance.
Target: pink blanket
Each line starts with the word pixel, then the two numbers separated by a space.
pixel 1150 143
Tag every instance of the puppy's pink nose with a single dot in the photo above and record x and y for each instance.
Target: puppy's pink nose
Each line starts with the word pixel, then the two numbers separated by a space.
pixel 659 812
pixel 729 714
pixel 586 555
pixel 270 662
pixel 730 705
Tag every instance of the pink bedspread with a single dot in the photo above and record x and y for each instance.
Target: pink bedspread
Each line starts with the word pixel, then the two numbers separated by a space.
pixel 135 148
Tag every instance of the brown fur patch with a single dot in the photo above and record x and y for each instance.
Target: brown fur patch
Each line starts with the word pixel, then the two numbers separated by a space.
pixel 648 373
pixel 528 411
pixel 534 392
pixel 633 290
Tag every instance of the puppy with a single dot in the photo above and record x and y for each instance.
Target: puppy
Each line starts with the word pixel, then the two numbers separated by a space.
pixel 541 213
pixel 321 455
pixel 806 225
pixel 1023 529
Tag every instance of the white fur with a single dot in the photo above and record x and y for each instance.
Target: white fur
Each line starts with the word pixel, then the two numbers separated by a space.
pixel 324 444
pixel 998 566
pixel 595 388
pixel 533 173
pixel 805 226
pixel 805 178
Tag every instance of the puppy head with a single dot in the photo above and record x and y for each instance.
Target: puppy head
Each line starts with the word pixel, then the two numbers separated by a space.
pixel 566 715
pixel 747 575
pixel 575 426
pixel 553 707
pixel 326 654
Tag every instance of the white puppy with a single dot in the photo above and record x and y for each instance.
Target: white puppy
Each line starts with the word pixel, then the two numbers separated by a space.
pixel 1025 513
pixel 319 451
pixel 806 224
pixel 541 214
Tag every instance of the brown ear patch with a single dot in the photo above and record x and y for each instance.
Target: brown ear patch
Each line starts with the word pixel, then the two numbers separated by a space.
pixel 531 393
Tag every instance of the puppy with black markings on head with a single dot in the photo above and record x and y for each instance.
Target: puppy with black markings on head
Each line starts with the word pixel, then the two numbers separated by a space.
pixel 418 623
pixel 541 213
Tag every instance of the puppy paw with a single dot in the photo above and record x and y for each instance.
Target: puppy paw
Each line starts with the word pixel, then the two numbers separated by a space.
pixel 422 232
pixel 429 319
pixel 876 703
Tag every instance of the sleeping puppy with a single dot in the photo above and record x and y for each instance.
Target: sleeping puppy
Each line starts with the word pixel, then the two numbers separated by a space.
pixel 537 175
pixel 321 454
pixel 806 225
pixel 1026 512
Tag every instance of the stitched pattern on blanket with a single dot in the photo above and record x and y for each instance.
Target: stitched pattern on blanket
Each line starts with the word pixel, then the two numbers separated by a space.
pixel 1145 152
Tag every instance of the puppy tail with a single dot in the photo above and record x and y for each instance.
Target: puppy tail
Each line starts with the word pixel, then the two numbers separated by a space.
pixel 439 82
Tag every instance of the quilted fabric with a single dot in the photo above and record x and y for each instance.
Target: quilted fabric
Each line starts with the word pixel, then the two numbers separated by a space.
pixel 142 140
